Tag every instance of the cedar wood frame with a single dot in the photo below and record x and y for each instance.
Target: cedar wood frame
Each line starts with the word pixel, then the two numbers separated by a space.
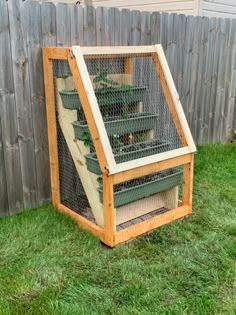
pixel 113 173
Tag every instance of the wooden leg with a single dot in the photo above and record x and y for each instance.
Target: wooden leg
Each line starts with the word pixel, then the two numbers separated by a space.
pixel 109 212
pixel 52 129
pixel 188 184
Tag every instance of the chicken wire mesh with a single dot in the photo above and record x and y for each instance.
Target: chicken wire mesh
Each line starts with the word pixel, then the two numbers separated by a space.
pixel 138 124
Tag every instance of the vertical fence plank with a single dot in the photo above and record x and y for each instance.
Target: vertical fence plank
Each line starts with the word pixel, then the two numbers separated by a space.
pixel 23 103
pixel 199 86
pixel 102 33
pixel 114 26
pixel 135 30
pixel 8 117
pixel 76 25
pixel 48 16
pixel 213 86
pixel 188 48
pixel 230 101
pixel 125 25
pixel 195 75
pixel 145 28
pixel 181 30
pixel 155 28
pixel 223 81
pixel 4 207
pixel 63 24
pixel 33 34
pixel 211 29
pixel 89 26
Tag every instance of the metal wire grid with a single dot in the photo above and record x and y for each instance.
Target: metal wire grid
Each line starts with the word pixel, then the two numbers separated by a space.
pixel 71 189
pixel 136 115
pixel 123 96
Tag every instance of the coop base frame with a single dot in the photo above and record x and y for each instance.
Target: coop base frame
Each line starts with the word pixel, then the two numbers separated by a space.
pixel 108 234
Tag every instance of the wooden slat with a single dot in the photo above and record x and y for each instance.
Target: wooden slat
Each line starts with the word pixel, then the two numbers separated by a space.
pixel 4 206
pixel 23 102
pixel 125 27
pixel 155 28
pixel 102 30
pixel 48 18
pixel 119 50
pixel 188 184
pixel 151 168
pixel 89 102
pixel 63 24
pixel 51 123
pixel 76 24
pixel 145 29
pixel 150 224
pixel 77 150
pixel 33 35
pixel 12 167
pixel 114 26
pixel 135 34
pixel 89 26
pixel 57 53
pixel 109 211
pixel 145 161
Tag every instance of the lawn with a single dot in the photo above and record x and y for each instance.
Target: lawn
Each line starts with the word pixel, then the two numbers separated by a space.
pixel 48 265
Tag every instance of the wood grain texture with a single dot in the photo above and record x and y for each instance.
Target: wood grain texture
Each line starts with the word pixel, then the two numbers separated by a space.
pixel 21 81
pixel 109 211
pixel 200 53
pixel 150 224
pixel 12 186
pixel 51 126
pixel 4 207
pixel 34 41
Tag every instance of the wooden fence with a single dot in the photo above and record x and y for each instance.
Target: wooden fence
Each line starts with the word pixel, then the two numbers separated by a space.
pixel 200 51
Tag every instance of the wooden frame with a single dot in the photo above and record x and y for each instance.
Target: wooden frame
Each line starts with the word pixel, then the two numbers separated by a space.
pixel 113 173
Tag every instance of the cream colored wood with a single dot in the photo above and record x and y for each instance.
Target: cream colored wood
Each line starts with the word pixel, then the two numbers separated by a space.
pixel 150 224
pixel 103 50
pixel 78 150
pixel 122 167
pixel 94 106
pixel 175 97
pixel 112 167
pixel 167 199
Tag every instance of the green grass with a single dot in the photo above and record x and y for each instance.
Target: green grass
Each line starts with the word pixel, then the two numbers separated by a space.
pixel 48 265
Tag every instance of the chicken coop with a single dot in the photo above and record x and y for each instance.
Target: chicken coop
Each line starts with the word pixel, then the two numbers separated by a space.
pixel 121 151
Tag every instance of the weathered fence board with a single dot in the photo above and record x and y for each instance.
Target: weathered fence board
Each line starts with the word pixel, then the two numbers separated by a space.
pixel 33 36
pixel 10 136
pixel 23 102
pixel 200 51
pixel 4 207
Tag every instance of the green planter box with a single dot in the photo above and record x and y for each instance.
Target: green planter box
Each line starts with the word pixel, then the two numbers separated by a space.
pixel 145 186
pixel 115 96
pixel 120 126
pixel 128 153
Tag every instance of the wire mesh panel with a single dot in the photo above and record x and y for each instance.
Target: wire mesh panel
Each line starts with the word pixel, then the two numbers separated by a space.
pixel 72 192
pixel 138 123
pixel 137 119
